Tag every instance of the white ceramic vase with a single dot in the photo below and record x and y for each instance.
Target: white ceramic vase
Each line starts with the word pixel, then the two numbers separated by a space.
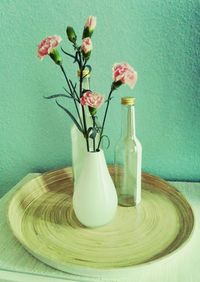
pixel 95 198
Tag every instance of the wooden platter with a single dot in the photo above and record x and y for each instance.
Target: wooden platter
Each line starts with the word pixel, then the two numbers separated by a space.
pixel 41 217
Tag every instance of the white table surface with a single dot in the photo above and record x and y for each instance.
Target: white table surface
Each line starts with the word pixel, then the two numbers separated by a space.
pixel 16 264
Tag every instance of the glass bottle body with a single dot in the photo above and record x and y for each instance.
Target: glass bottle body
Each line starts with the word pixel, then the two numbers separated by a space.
pixel 128 160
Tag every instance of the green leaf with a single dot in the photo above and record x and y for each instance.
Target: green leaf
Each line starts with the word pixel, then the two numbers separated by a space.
pixel 67 91
pixel 58 95
pixel 68 54
pixel 71 116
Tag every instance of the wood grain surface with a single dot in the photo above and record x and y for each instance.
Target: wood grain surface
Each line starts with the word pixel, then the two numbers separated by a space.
pixel 42 219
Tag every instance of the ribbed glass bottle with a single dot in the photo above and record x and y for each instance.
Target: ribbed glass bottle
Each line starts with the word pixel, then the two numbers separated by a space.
pixel 128 158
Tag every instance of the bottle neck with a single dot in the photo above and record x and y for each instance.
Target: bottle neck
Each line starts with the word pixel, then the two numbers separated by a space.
pixel 85 86
pixel 128 122
pixel 86 83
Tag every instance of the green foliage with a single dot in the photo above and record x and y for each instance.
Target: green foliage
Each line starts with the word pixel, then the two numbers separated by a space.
pixel 71 116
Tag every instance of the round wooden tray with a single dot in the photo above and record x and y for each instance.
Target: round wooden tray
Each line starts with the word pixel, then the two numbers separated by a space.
pixel 41 217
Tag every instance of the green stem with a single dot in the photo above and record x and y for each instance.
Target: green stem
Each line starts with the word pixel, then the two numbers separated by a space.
pixel 66 78
pixel 78 113
pixel 72 94
pixel 104 119
pixel 74 89
pixel 82 107
pixel 94 124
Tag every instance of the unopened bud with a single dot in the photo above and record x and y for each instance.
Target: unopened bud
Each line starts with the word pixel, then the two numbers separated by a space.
pixel 71 34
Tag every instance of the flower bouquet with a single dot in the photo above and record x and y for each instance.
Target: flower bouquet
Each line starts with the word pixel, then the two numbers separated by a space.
pixel 94 199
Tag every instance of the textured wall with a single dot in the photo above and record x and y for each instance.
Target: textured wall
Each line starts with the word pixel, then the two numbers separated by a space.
pixel 159 38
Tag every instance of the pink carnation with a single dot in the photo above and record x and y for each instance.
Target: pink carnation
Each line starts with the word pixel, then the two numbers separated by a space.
pixel 91 22
pixel 47 45
pixel 124 73
pixel 86 45
pixel 92 99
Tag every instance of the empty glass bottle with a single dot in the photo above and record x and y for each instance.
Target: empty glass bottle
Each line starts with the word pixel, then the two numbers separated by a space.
pixel 128 158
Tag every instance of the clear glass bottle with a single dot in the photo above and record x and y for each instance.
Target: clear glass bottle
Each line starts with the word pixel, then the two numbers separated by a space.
pixel 128 158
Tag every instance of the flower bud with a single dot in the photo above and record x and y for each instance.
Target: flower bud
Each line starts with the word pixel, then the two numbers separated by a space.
pixel 86 47
pixel 71 34
pixel 89 27
pixel 55 56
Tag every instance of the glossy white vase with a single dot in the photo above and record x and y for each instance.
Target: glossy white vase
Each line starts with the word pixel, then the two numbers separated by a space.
pixel 95 198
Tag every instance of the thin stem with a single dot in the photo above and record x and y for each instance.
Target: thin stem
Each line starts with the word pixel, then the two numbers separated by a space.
pixel 78 114
pixel 75 46
pixel 84 64
pixel 104 119
pixel 82 107
pixel 94 124
pixel 78 54
pixel 72 94
pixel 74 89
pixel 66 78
pixel 78 99
pixel 85 128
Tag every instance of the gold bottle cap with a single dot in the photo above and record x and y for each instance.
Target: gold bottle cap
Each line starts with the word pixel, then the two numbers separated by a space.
pixel 129 101
pixel 86 72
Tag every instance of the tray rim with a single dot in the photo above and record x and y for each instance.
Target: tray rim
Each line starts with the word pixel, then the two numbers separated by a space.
pixel 92 271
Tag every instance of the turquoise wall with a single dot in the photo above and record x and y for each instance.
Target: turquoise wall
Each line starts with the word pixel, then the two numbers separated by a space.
pixel 159 38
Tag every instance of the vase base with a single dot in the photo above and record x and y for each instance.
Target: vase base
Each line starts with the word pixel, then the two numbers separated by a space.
pixel 95 197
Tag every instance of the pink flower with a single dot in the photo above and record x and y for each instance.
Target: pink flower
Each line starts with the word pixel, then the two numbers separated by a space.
pixel 91 23
pixel 47 45
pixel 124 73
pixel 92 99
pixel 86 45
